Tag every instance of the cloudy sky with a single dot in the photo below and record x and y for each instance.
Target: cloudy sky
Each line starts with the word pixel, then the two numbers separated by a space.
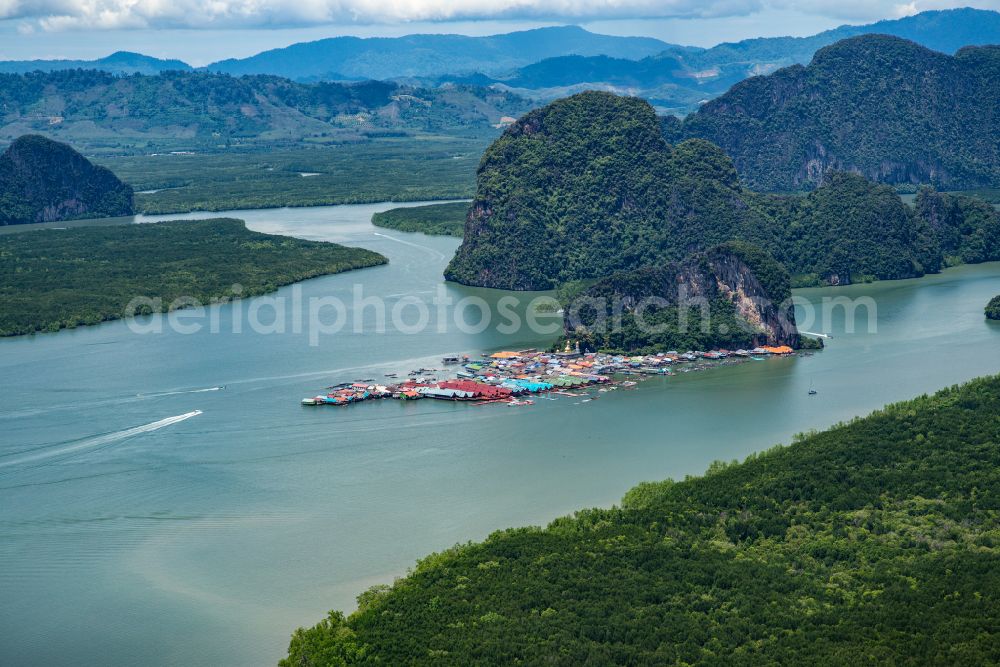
pixel 200 31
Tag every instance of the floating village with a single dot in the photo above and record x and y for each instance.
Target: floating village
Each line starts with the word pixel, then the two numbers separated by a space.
pixel 513 377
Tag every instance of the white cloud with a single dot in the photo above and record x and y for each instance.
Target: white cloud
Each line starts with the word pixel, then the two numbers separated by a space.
pixel 55 15
pixel 62 14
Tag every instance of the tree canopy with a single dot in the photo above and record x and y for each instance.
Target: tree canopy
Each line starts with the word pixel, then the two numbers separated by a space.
pixel 883 106
pixel 57 278
pixel 588 186
pixel 876 540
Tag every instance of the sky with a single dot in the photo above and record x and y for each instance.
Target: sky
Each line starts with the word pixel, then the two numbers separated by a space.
pixel 202 31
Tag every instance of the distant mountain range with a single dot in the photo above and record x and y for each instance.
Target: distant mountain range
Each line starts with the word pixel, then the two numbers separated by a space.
pixel 547 63
pixel 679 78
pixel 97 109
pixel 120 62
pixel 434 55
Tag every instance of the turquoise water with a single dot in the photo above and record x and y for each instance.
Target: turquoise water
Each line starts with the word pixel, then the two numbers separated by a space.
pixel 129 538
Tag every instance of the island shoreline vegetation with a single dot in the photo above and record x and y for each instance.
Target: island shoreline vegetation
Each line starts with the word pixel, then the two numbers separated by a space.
pixel 877 537
pixel 993 308
pixel 434 219
pixel 55 279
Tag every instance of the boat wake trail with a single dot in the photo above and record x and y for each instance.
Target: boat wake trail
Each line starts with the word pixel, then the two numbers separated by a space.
pixel 158 394
pixel 93 443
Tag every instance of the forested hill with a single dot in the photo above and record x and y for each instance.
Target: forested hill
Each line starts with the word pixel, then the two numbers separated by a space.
pixel 876 541
pixel 99 109
pixel 882 106
pixel 43 180
pixel 587 187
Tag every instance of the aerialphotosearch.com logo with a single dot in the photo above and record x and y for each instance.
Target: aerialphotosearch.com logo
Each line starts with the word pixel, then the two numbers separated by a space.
pixel 328 315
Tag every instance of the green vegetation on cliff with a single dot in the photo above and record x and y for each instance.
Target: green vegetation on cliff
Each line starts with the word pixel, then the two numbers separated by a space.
pixel 886 107
pixel 734 296
pixel 587 187
pixel 876 540
pixel 967 228
pixel 43 180
pixel 51 279
pixel 993 308
pixel 435 219
pixel 850 230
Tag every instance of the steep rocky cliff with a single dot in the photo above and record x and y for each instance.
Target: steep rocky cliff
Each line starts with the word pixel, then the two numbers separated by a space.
pixel 587 186
pixel 733 296
pixel 43 180
pixel 881 106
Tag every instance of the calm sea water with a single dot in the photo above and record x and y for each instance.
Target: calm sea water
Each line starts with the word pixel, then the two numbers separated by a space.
pixel 127 537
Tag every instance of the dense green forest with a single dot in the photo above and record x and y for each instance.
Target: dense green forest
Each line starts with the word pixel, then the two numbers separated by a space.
pixel 200 110
pixel 435 219
pixel 967 228
pixel 389 169
pixel 877 541
pixel 51 279
pixel 851 230
pixel 746 291
pixel 883 106
pixel 43 180
pixel 993 308
pixel 587 186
